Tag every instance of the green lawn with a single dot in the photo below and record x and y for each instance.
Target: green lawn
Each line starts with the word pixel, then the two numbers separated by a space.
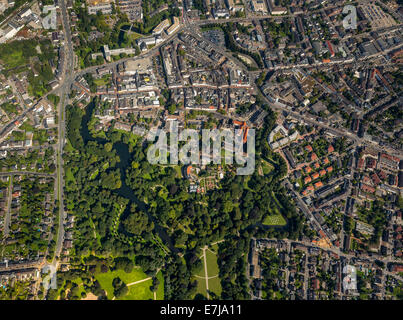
pixel 105 279
pixel 267 167
pixel 13 57
pixel 214 285
pixel 201 286
pixel 68 147
pixel 102 81
pixel 212 266
pixel 140 291
pixel 212 270
pixel 200 273
pixel 160 290
pixel 274 220
pixel 69 175
pixel 79 282
pixel 134 35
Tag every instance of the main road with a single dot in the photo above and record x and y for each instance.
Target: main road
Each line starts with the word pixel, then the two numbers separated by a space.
pixel 65 83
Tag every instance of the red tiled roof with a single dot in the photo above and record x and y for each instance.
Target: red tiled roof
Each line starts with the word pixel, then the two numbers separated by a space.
pixel 389 157
pixel 307 180
pixel 318 184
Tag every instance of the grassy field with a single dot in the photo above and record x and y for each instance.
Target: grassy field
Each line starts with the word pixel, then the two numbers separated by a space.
pixel 13 59
pixel 102 81
pixel 267 167
pixel 214 282
pixel 274 220
pixel 201 286
pixel 212 266
pixel 140 291
pixel 200 273
pixel 69 175
pixel 79 282
pixel 105 279
pixel 160 290
pixel 134 35
pixel 214 285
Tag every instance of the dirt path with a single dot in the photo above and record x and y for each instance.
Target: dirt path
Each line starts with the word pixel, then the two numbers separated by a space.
pixel 205 270
pixel 140 281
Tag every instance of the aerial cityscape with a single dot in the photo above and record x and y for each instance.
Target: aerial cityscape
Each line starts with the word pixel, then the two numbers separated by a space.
pixel 109 111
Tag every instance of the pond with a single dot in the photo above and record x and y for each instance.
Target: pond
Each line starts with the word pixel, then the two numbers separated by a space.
pixel 122 150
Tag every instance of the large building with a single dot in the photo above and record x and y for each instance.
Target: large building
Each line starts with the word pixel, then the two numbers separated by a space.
pixel 114 52
pixel 259 6
pixel 276 10
pixel 174 26
pixel 161 27
pixel 389 162
pixel 234 6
